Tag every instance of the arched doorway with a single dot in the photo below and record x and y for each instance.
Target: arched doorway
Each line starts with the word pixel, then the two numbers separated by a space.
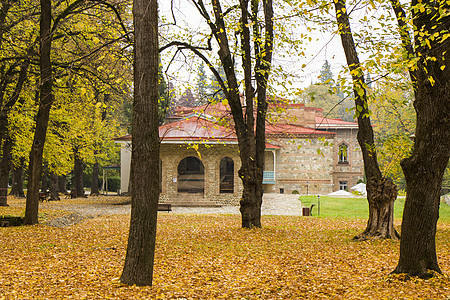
pixel 191 175
pixel 226 175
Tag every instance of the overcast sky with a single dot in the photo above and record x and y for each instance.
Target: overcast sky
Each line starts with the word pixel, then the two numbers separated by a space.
pixel 324 46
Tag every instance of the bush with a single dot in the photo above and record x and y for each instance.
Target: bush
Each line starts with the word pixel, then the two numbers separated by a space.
pixel 113 183
pixel 295 192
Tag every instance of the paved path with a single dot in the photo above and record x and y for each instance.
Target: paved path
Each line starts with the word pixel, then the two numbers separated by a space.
pixel 273 204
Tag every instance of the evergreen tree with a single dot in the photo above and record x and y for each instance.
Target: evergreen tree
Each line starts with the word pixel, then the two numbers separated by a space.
pixel 214 90
pixel 202 85
pixel 326 76
pixel 164 95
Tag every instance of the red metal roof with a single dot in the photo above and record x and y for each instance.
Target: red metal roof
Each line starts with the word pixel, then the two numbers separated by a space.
pixel 289 129
pixel 326 122
pixel 195 128
pixel 196 124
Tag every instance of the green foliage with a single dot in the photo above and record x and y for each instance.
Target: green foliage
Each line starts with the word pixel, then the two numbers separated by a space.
pixel 202 84
pixel 326 96
pixel 326 76
pixel 393 120
pixel 113 183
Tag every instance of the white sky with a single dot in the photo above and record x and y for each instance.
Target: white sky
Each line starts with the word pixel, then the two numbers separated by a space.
pixel 323 46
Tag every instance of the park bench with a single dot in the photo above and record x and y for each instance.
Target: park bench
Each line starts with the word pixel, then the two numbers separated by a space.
pixel 164 207
pixel 43 196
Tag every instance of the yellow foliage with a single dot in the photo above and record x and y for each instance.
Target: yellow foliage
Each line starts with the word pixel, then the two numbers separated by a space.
pixel 210 257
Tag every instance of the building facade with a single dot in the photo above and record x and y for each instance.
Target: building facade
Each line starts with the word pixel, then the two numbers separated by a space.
pixel 305 153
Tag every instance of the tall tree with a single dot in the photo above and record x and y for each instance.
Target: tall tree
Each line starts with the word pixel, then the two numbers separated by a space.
pixel 15 54
pixel 428 55
pixel 202 84
pixel 138 268
pixel 17 180
pixel 381 191
pixel 78 169
pixel 164 95
pixel 326 96
pixel 254 33
pixel 326 76
pixel 46 101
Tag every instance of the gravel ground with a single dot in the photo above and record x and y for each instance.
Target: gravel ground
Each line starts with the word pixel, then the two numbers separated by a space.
pixel 273 204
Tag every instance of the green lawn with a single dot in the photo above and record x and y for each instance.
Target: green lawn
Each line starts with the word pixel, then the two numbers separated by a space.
pixel 335 207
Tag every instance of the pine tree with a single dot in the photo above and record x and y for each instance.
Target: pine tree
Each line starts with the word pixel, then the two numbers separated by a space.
pixel 326 76
pixel 201 85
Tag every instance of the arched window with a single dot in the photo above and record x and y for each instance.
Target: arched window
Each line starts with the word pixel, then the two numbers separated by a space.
pixel 226 175
pixel 343 154
pixel 191 175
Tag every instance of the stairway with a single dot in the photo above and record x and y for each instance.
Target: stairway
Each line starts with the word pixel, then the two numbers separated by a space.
pixel 191 200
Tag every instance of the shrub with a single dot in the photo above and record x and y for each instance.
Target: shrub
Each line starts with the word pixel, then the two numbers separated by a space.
pixel 295 192
pixel 113 183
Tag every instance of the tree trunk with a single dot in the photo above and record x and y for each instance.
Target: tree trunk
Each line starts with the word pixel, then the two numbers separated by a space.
pixel 62 184
pixel 54 193
pixel 251 141
pixel 381 192
pixel 5 163
pixel 424 169
pixel 44 178
pixel 5 139
pixel 46 100
pixel 17 180
pixel 78 175
pixel 138 268
pixel 381 195
pixel 250 204
pixel 94 184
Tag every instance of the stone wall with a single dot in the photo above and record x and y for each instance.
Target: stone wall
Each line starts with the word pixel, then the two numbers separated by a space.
pixel 210 156
pixel 352 171
pixel 302 164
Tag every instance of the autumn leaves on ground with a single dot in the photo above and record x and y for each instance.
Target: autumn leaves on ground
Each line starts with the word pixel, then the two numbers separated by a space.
pixel 211 257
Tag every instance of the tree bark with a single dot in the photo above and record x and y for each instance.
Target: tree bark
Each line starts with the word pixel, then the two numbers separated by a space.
pixel 5 163
pixel 94 182
pixel 62 184
pixel 381 192
pixel 5 139
pixel 44 178
pixel 17 180
pixel 424 169
pixel 54 193
pixel 251 140
pixel 78 175
pixel 46 100
pixel 139 260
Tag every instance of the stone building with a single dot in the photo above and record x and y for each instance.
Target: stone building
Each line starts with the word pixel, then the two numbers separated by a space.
pixel 305 153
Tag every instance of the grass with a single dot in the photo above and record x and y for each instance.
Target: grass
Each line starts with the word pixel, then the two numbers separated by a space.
pixel 358 208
